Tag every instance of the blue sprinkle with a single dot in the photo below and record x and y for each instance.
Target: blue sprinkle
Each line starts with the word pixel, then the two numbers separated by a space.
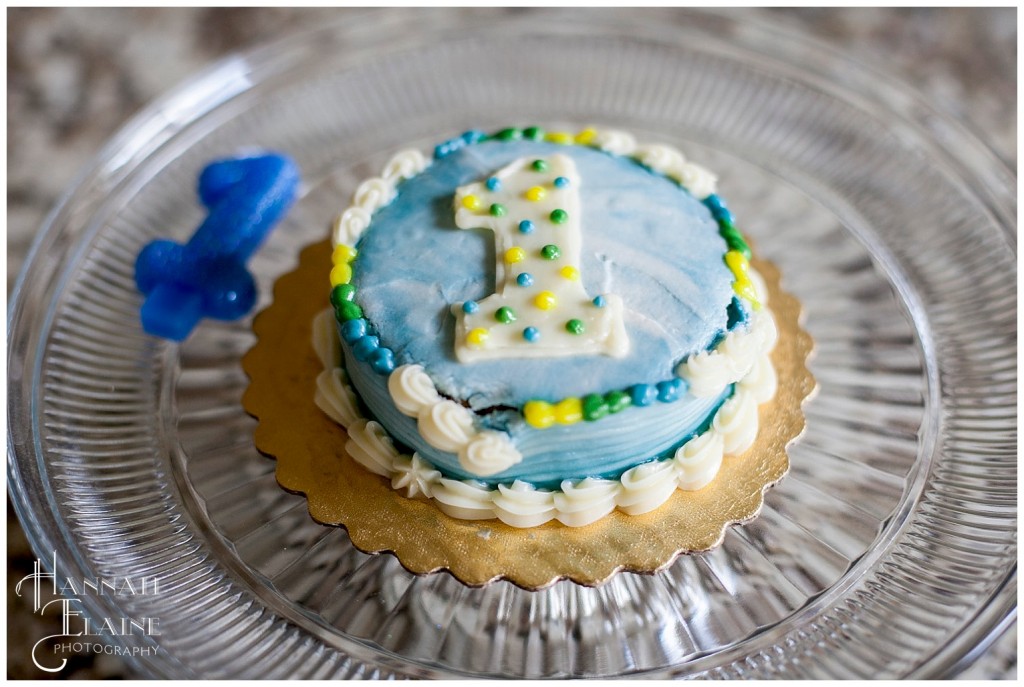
pixel 525 279
pixel 382 361
pixel 599 301
pixel 448 147
pixel 526 226
pixel 718 209
pixel 353 330
pixel 643 394
pixel 473 136
pixel 561 182
pixel 668 390
pixel 531 334
pixel 494 184
pixel 470 307
pixel 365 347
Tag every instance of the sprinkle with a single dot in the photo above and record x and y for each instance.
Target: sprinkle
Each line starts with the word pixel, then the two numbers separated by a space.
pixel 539 166
pixel 497 210
pixel 595 407
pixel 559 216
pixel 343 253
pixel 643 394
pixel 342 293
pixel 382 361
pixel 526 226
pixel 586 136
pixel 560 137
pixel 364 347
pixel 744 288
pixel 471 202
pixel 348 311
pixel 531 334
pixel 477 337
pixel 514 254
pixel 737 263
pixel 718 209
pixel 599 301
pixel 545 300
pixel 470 307
pixel 536 193
pixel 353 330
pixel 561 182
pixel 539 414
pixel 568 411
pixel 574 326
pixel 668 391
pixel 569 272
pixel 508 134
pixel 617 400
pixel 445 149
pixel 494 184
pixel 505 315
pixel 550 252
pixel 534 133
pixel 341 274
pixel 525 279
pixel 473 136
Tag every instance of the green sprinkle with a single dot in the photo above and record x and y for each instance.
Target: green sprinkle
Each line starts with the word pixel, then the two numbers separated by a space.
pixel 497 209
pixel 595 407
pixel 348 311
pixel 574 326
pixel 735 242
pixel 550 252
pixel 559 216
pixel 508 135
pixel 617 400
pixel 534 133
pixel 505 315
pixel 539 166
pixel 342 293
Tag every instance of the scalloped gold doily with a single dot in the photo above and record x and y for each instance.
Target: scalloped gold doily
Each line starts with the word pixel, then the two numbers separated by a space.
pixel 311 459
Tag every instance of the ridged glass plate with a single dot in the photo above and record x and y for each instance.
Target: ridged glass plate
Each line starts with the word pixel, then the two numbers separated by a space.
pixel 888 551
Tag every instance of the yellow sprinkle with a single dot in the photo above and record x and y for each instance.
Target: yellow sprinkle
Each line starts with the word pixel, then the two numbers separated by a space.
pixel 341 274
pixel 471 202
pixel 539 414
pixel 569 411
pixel 562 137
pixel 737 263
pixel 477 337
pixel 545 300
pixel 744 288
pixel 514 254
pixel 569 272
pixel 536 193
pixel 343 253
pixel 586 136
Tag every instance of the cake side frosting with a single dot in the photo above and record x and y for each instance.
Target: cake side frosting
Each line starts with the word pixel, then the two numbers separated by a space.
pixel 543 446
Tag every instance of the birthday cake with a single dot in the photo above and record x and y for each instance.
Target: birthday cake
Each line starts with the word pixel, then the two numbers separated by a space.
pixel 536 326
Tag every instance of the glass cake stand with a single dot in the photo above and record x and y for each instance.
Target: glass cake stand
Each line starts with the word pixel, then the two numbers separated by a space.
pixel 888 551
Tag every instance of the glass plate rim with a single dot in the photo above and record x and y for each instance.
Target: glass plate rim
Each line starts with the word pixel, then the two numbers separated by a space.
pixel 106 165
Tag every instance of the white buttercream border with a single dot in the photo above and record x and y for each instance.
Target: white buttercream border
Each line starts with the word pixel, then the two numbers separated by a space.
pixel 639 490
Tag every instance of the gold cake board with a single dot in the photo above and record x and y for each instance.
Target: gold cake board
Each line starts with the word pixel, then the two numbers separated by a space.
pixel 312 460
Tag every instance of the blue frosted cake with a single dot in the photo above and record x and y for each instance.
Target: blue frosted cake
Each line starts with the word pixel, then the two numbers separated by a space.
pixel 537 326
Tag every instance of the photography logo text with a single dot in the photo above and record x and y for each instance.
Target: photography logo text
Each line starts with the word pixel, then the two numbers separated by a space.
pixel 57 595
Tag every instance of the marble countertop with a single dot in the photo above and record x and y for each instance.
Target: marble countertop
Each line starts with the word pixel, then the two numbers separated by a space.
pixel 76 75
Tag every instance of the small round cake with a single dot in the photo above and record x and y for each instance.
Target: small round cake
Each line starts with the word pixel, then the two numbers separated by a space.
pixel 537 326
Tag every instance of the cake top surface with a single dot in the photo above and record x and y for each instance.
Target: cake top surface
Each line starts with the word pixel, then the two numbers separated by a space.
pixel 644 239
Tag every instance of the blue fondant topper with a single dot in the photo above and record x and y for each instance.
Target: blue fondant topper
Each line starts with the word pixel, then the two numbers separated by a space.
pixel 207 277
